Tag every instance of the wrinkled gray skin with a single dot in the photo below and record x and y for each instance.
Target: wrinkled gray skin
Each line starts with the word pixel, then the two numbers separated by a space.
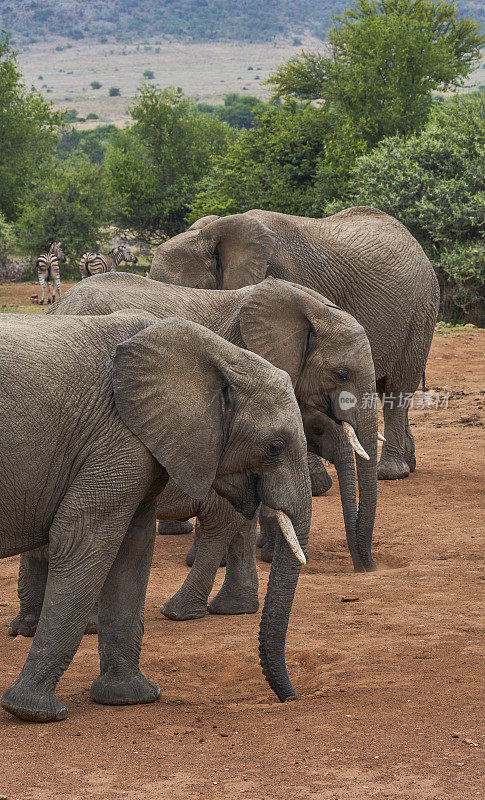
pixel 362 259
pixel 119 426
pixel 324 350
pixel 323 340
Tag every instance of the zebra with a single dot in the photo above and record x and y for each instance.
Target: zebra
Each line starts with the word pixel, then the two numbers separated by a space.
pixel 96 263
pixel 47 266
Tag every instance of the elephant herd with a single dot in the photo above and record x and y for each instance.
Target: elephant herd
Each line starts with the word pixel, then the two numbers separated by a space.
pixel 212 388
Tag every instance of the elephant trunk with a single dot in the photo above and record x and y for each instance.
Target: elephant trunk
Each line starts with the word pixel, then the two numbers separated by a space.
pixel 367 482
pixel 285 569
pixel 345 466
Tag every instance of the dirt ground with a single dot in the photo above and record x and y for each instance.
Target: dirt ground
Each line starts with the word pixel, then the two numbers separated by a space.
pixel 391 691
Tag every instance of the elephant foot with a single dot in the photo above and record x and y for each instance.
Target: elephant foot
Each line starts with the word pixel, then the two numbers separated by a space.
pixel 184 606
pixel 392 469
pixel 320 480
pixel 129 690
pixel 26 625
pixel 23 625
pixel 411 462
pixel 34 705
pixel 190 557
pixel 267 552
pixel 174 527
pixel 234 600
pixel 92 625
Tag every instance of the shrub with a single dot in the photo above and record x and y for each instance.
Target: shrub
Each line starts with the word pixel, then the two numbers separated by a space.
pixel 95 85
pixel 114 91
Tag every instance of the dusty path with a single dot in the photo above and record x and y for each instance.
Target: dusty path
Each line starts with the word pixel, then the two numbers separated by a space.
pixel 390 685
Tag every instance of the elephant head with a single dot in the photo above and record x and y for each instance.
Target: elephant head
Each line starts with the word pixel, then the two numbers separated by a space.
pixel 237 417
pixel 327 355
pixel 216 253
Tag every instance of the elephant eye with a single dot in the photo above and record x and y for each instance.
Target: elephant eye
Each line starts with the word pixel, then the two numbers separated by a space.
pixel 342 375
pixel 275 449
pixel 318 431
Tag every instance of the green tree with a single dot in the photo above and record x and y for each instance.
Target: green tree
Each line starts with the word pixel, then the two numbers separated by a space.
pixel 154 166
pixel 273 165
pixel 387 57
pixel 28 132
pixel 434 183
pixel 67 204
pixel 238 111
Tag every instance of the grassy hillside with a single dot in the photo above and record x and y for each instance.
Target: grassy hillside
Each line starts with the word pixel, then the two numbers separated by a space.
pixel 242 20
pixel 200 20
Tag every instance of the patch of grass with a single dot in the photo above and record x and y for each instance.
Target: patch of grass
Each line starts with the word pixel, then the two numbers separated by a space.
pixel 450 330
pixel 31 309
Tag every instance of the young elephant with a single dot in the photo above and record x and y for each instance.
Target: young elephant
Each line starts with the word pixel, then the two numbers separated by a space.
pixel 119 426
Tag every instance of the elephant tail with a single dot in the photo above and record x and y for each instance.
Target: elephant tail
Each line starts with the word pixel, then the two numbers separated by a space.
pixel 423 382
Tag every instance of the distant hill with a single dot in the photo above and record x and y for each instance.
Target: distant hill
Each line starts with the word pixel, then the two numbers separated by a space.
pixel 200 20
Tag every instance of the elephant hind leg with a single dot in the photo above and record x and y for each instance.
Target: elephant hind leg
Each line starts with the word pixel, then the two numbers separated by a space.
pixel 79 560
pixel 239 592
pixel 398 453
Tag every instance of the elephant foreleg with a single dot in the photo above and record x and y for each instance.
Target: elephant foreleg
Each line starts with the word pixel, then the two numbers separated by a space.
pixel 120 617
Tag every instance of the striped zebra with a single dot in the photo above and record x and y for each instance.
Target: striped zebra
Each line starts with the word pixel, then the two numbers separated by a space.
pixel 96 263
pixel 47 266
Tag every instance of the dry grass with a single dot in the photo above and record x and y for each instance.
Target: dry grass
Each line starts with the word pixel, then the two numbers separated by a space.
pixel 205 71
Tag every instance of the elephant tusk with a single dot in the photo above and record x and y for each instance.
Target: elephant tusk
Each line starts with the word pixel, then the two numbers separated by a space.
pixel 381 437
pixel 288 532
pixel 353 441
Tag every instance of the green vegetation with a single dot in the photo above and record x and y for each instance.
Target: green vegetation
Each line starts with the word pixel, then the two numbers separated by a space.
pixel 28 132
pixel 387 57
pixel 434 183
pixel 69 204
pixel 211 20
pixel 364 129
pixel 154 166
pixel 95 85
pixel 114 91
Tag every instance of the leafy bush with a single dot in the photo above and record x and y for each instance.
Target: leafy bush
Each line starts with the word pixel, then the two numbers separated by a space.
pixel 67 204
pixel 95 85
pixel 434 183
pixel 114 91
pixel 154 166
pixel 149 74
pixel 28 132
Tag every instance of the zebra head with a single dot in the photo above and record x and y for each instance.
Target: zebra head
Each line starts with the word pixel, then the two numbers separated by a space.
pixel 56 250
pixel 127 254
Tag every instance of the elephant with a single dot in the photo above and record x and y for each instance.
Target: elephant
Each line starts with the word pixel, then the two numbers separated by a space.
pixel 222 529
pixel 110 392
pixel 364 260
pixel 325 351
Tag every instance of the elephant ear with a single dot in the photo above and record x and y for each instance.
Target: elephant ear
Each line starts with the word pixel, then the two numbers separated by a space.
pixel 242 245
pixel 277 321
pixel 170 385
pixel 202 222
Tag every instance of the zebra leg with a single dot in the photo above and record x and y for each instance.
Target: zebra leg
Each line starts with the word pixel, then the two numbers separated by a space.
pixel 56 285
pixel 42 286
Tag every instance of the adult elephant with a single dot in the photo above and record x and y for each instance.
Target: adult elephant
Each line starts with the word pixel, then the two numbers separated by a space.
pixel 324 350
pixel 222 530
pixel 110 391
pixel 362 259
